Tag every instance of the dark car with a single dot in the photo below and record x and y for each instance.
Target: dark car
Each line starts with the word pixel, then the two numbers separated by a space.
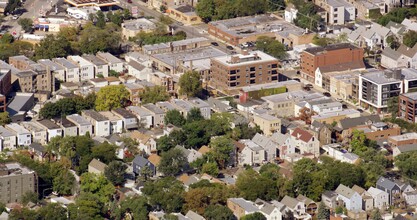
pixel 359 110
pixel 296 79
pixel 230 47
pixel 214 44
pixel 309 86
pixel 344 106
pixel 327 94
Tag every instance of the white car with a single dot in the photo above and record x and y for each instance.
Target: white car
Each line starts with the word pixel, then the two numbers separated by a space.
pixel 15 17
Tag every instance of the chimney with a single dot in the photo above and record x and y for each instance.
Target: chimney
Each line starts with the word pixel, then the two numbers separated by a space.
pixel 298 135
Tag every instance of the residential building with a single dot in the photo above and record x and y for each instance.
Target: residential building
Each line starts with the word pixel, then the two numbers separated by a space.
pixel 68 128
pixel 38 152
pixel 403 57
pixel 269 145
pixel 21 62
pixel 329 198
pixel 270 210
pixel 390 187
pixel 322 132
pixel 71 71
pixel 240 30
pixel 176 46
pixel 377 87
pixel 96 167
pixel 408 106
pixel 338 11
pixel 135 91
pixel 83 125
pixel 251 153
pixel 410 197
pixel 139 163
pixel 248 68
pixel 241 207
pixel 56 69
pixel 19 105
pixel 86 68
pixel 146 142
pixel 17 181
pixel 335 54
pixel 403 139
pixel 53 129
pixel 113 62
pixel 131 28
pixel 379 130
pixel 403 149
pixel 297 207
pixel 304 142
pixel 143 115
pixel 380 198
pixel 203 106
pixel 267 123
pixel 350 71
pixel 129 120
pixel 190 154
pixel 8 139
pixel 158 115
pixel 351 199
pixel 101 68
pixel 181 105
pixel 336 152
pixel 101 124
pixel 24 137
pixel 3 103
pixel 367 200
pixel 39 134
pixel 116 123
pixel 5 83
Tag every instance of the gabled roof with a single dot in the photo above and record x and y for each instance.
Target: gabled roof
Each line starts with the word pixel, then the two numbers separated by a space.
pixel 374 192
pixel 358 189
pixel 407 51
pixel 37 147
pixel 264 141
pixel 265 207
pixel 345 191
pixel 393 54
pixel 98 165
pixel 140 161
pixel 302 135
pixel 353 122
pixel 290 202
pixel 304 199
pixel 194 216
pixel 246 205
pixel 154 159
pixel 279 138
pixel 385 183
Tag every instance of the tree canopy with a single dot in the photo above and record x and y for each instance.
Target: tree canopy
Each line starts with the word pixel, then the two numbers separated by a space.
pixel 410 38
pixel 166 193
pixel 111 97
pixel 174 117
pixel 154 94
pixel 115 172
pixel 271 47
pixel 172 162
pixel 52 46
pixel 190 84
pixel 67 106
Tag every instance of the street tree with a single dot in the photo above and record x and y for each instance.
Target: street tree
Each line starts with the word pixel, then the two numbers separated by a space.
pixel 154 94
pixel 101 19
pixel 97 185
pixel 166 193
pixel 174 117
pixel 111 97
pixel 254 216
pixel 194 115
pixel 172 162
pixel 323 212
pixel 214 212
pixel 190 84
pixel 115 172
pixel 26 23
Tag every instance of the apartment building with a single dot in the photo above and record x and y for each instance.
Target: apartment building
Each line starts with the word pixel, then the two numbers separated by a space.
pixel 71 71
pixel 21 62
pixel 144 116
pixel 408 106
pixel 331 55
pixel 113 62
pixel 8 139
pixel 86 67
pixel 176 46
pixel 202 105
pixel 24 137
pixel 101 68
pixel 82 124
pixel 5 81
pixel 101 124
pixel 56 70
pixel 338 11
pixel 68 128
pixel 129 120
pixel 116 122
pixel 377 87
pixel 39 134
pixel 248 68
pixel 16 180
pixel 267 123
pixel 53 130
pixel 158 115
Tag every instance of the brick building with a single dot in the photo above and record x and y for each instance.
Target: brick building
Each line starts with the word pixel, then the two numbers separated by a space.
pixel 248 68
pixel 408 106
pixel 332 55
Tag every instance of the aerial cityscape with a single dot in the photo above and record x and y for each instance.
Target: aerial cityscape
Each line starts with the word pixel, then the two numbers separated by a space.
pixel 208 109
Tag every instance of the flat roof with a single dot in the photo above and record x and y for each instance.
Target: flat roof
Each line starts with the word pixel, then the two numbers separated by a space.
pixel 65 63
pixel 5 133
pixel 379 77
pixel 185 56
pixel 48 124
pixel 406 136
pixel 78 119
pixel 16 169
pixel 269 85
pixel 52 65
pixel 292 96
pixel 178 43
pixel 66 123
pixel 79 60
pixel 32 126
pixel 110 115
pixel 141 112
pixel 166 106
pixel 183 105
pixel 124 113
pixel 17 128
pixel 101 3
pixel 93 59
pixel 319 50
pixel 252 58
pixel 198 103
pixel 153 108
pixel 108 57
pixel 94 115
pixel 139 24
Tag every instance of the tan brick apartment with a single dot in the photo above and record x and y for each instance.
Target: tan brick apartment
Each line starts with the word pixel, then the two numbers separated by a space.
pixel 16 181
pixel 408 106
pixel 404 139
pixel 336 54
pixel 244 29
pixel 248 68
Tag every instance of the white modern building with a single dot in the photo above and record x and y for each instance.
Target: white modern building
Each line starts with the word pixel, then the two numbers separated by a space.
pixel 24 137
pixel 83 125
pixel 101 124
pixel 85 66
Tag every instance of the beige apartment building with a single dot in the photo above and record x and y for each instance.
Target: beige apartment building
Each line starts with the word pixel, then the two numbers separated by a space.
pixel 15 181
pixel 267 123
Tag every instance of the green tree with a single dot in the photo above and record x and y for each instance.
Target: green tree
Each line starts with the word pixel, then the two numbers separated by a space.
pixel 115 172
pixel 244 131
pixel 97 185
pixel 252 185
pixel 166 193
pixel 254 216
pixel 410 38
pixel 393 106
pixel 211 169
pixel 393 42
pixel 93 39
pixel 12 5
pixel 24 213
pixel 360 144
pixel 87 206
pixel 375 14
pixel 64 183
pixel 222 147
pixel 205 9
pixel 194 115
pixel 101 19
pixel 52 46
pixel 271 47
pixel 166 20
pixel 323 212
pixel 376 215
pixel 154 94
pixel 115 17
pixel 307 16
pixel 111 97
pixel 114 73
pixel 4 118
pixel 137 206
pixel 26 23
pixel 406 163
pixel 53 211
pixel 105 152
pixel 6 39
pixel 214 212
pixel 190 84
pixel 30 197
pixel 174 117
pixel 172 162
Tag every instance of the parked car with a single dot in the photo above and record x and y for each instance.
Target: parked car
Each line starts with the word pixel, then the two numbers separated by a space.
pixel 327 94
pixel 309 86
pixel 214 44
pixel 359 110
pixel 229 47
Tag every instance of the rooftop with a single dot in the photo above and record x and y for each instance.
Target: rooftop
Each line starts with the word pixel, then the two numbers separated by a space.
pixel 389 76
pixel 65 63
pixel 5 133
pixel 17 128
pixel 77 119
pixel 292 96
pixel 93 59
pixel 269 85
pixel 141 112
pixel 94 115
pixel 15 169
pixel 153 108
pixel 178 43
pixel 246 205
pixel 124 113
pixel 172 59
pixel 402 137
pixel 108 57
pixel 79 60
pixel 139 24
pixel 251 57
pixel 32 126
pixel 49 124
pixel 110 115
pixel 52 65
